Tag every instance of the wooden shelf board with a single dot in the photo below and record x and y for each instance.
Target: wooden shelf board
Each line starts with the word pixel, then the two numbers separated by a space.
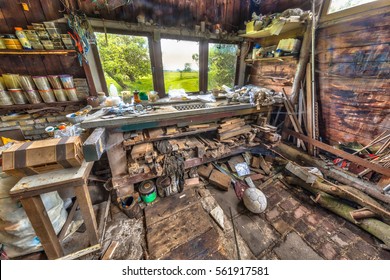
pixel 288 26
pixel 39 105
pixel 212 127
pixel 36 52
pixel 187 164
pixel 281 58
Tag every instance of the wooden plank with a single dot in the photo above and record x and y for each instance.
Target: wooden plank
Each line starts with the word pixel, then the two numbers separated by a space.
pixel 81 253
pixel 70 177
pixel 35 13
pixel 201 246
pixel 169 206
pixel 68 221
pixel 43 227
pixel 245 129
pixel 82 194
pixel 51 9
pixel 342 154
pixel 95 145
pixel 110 251
pixel 176 230
pixel 116 155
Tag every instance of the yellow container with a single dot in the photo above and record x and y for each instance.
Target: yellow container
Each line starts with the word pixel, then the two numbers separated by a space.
pixel 11 81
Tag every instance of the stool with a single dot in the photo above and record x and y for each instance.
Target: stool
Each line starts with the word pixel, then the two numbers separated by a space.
pixel 29 189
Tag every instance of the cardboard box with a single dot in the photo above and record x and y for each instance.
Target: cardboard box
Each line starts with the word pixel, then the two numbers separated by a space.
pixel 35 157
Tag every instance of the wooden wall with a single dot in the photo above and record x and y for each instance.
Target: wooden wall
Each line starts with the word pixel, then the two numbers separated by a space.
pixel 354 85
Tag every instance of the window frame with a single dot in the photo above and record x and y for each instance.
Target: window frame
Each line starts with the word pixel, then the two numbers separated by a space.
pixel 363 8
pixel 155 54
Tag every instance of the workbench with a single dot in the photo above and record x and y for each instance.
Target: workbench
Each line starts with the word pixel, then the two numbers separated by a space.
pixel 29 189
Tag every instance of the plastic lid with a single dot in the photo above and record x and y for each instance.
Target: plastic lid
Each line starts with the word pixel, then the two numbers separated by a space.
pixel 18 28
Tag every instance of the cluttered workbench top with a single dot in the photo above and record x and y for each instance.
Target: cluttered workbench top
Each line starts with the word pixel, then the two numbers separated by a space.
pixel 163 111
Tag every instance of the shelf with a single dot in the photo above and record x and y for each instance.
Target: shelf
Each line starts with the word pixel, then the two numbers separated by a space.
pixel 36 52
pixel 213 127
pixel 273 30
pixel 281 58
pixel 194 162
pixel 39 105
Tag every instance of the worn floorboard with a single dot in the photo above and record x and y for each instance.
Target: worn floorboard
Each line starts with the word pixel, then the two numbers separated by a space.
pixel 164 236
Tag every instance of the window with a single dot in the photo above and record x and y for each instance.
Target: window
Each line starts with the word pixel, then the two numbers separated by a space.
pixel 339 5
pixel 222 65
pixel 126 62
pixel 180 64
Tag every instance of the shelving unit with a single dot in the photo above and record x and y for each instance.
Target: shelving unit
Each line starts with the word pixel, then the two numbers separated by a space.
pixel 36 52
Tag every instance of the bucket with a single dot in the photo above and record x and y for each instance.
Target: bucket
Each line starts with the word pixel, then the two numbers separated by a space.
pixel 130 207
pixel 147 189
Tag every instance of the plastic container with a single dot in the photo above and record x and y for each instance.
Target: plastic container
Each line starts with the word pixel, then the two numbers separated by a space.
pixel 67 81
pixel 33 96
pixel 147 189
pixel 12 44
pixel 47 96
pixel 71 94
pixel 49 24
pixel 27 83
pixel 22 38
pixel 31 35
pixel 55 81
pixel 41 82
pixel 5 98
pixel 47 44
pixel 38 26
pixel 11 81
pixel 54 33
pixel 60 95
pixel 18 96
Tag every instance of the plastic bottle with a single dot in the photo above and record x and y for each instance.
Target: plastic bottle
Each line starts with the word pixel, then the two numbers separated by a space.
pixel 113 91
pixel 22 38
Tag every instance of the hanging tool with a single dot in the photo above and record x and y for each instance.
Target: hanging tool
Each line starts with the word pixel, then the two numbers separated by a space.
pixel 239 186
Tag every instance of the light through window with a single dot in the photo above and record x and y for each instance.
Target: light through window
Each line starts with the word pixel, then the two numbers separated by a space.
pixel 339 5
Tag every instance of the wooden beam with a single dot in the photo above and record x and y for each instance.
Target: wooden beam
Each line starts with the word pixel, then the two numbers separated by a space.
pixel 340 153
pixel 203 65
pixel 157 64
pixel 65 228
pixel 86 208
pixel 42 226
pixel 95 145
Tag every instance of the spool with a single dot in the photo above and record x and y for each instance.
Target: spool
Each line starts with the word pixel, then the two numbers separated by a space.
pixel 147 189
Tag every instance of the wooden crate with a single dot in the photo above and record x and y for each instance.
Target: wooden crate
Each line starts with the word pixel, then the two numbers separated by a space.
pixel 41 156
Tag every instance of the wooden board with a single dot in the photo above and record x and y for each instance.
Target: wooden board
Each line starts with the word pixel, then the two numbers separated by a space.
pixel 168 206
pixel 176 230
pixel 243 130
pixel 200 247
pixel 30 185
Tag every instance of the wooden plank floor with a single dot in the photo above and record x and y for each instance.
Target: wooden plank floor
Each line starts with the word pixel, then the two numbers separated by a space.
pixel 179 228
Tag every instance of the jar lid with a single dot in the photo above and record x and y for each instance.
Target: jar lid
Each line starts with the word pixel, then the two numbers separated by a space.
pixel 146 187
pixel 18 29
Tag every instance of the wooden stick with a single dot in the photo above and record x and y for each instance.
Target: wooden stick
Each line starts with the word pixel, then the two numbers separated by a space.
pixel 110 250
pixel 81 253
pixel 68 220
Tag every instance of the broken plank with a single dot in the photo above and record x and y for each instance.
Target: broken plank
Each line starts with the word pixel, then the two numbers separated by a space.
pixel 220 180
pixel 176 230
pixel 232 133
pixel 201 246
pixel 169 206
pixel 205 170
pixel 264 165
pixel 110 251
pixel 81 253
pixel 235 160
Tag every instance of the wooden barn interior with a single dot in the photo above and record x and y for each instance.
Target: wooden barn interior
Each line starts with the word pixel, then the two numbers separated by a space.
pixel 195 130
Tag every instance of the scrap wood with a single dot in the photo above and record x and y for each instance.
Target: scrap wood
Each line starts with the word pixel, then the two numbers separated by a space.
pixel 68 221
pixel 344 192
pixel 242 130
pixel 110 250
pixel 81 253
pixel 373 226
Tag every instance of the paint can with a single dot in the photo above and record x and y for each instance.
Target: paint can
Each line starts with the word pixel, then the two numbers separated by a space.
pixel 130 207
pixel 147 189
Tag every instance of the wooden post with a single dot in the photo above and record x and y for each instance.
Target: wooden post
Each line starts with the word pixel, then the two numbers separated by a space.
pixel 309 108
pixel 203 65
pixel 157 64
pixel 86 208
pixel 42 225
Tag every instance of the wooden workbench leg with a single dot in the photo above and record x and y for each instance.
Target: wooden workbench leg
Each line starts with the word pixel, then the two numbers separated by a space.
pixel 86 208
pixel 43 227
